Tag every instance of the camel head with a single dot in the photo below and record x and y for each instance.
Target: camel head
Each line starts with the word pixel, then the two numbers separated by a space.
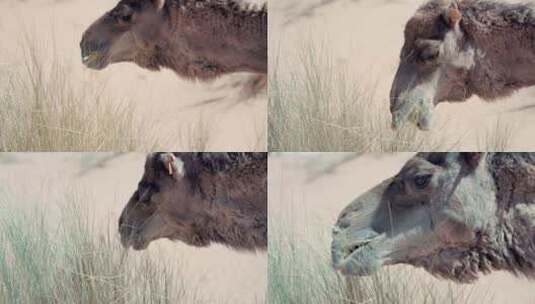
pixel 435 63
pixel 128 33
pixel 438 207
pixel 163 206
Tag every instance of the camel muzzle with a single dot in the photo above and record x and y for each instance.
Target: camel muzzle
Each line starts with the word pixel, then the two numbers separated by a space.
pixel 416 110
pixel 130 237
pixel 355 253
pixel 93 52
pixel 358 239
pixel 133 240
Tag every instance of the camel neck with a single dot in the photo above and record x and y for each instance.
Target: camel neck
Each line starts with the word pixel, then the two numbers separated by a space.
pixel 513 178
pixel 237 228
pixel 223 36
pixel 504 56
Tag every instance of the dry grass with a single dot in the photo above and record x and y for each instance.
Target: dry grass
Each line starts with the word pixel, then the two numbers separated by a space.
pixel 75 259
pixel 498 138
pixel 300 269
pixel 300 272
pixel 46 107
pixel 321 106
pixel 197 135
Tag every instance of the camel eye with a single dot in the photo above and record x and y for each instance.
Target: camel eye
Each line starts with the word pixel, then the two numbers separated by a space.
pixel 428 49
pixel 429 54
pixel 123 14
pixel 145 196
pixel 422 181
pixel 126 18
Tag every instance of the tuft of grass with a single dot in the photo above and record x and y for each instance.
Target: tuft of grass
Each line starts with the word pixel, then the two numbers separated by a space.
pixel 317 105
pixel 197 135
pixel 300 271
pixel 498 138
pixel 74 260
pixel 44 107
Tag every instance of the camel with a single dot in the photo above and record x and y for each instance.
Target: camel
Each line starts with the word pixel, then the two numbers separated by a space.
pixel 197 39
pixel 457 215
pixel 199 199
pixel 455 49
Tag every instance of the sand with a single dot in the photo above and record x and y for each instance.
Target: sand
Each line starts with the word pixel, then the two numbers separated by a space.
pixel 219 274
pixel 366 36
pixel 298 182
pixel 161 97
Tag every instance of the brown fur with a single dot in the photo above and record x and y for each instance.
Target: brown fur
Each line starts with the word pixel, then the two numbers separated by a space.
pixel 199 198
pixel 198 39
pixel 455 49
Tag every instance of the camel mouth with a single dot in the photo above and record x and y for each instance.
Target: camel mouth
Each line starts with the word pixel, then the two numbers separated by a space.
pixel 135 243
pixel 95 60
pixel 140 245
pixel 421 118
pixel 358 258
pixel 134 240
pixel 354 247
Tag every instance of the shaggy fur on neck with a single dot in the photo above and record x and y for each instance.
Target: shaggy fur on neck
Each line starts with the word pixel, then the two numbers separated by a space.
pixel 236 227
pixel 213 163
pixel 219 177
pixel 245 23
pixel 227 7
pixel 510 245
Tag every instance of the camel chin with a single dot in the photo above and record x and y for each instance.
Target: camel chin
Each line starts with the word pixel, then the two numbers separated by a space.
pixel 95 61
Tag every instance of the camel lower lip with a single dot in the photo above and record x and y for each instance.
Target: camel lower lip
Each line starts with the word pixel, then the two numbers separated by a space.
pixel 140 246
pixel 359 257
pixel 136 244
pixel 423 128
pixel 94 61
pixel 354 265
pixel 395 126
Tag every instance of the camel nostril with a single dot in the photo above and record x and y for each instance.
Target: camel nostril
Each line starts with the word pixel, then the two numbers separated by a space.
pixel 354 248
pixel 343 224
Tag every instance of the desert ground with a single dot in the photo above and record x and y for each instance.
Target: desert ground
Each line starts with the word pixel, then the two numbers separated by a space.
pixel 309 190
pixel 214 274
pixel 364 39
pixel 180 111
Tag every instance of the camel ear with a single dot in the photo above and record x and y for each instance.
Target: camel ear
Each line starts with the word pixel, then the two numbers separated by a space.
pixel 452 16
pixel 472 159
pixel 159 4
pixel 172 165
